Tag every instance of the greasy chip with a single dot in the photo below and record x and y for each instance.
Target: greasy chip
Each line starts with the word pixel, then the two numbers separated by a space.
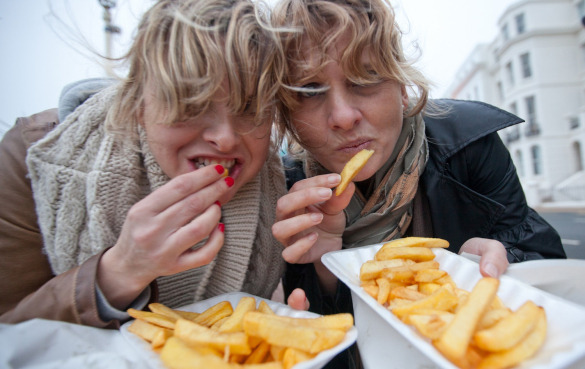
pixel 352 168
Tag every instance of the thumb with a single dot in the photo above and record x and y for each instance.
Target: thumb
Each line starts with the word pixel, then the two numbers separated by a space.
pixel 298 300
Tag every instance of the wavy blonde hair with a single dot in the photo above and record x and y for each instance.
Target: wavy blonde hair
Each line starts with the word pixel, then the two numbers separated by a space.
pixel 371 27
pixel 185 49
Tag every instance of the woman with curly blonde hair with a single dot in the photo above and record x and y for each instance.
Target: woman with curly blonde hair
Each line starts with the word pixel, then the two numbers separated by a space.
pixel 160 187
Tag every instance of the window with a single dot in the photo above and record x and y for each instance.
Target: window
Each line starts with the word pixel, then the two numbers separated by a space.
pixel 510 73
pixel 505 32
pixel 500 90
pixel 574 122
pixel 519 163
pixel 530 109
pixel 520 24
pixel 578 156
pixel 526 68
pixel 536 160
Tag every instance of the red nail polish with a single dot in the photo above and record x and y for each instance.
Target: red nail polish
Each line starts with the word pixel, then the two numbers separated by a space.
pixel 217 203
pixel 219 168
pixel 229 181
pixel 221 227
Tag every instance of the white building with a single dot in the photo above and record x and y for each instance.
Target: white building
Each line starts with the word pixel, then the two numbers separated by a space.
pixel 535 68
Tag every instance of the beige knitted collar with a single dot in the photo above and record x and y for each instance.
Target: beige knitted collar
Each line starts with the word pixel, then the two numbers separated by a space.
pixel 84 182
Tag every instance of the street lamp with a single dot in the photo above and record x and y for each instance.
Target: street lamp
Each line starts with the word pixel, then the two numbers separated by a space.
pixel 109 28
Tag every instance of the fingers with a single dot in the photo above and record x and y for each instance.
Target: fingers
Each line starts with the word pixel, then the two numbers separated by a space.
pixel 195 230
pixel 184 186
pixel 298 300
pixel 494 260
pixel 206 253
pixel 285 229
pixel 294 252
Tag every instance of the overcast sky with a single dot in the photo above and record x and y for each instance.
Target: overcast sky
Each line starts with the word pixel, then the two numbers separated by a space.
pixel 46 43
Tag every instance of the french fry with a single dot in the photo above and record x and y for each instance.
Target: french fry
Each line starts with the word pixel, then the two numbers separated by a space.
pixel 154 318
pixel 524 350
pixel 214 313
pixel 372 269
pixel 413 253
pixel 144 329
pixel 454 341
pixel 196 334
pixel 352 168
pixel 175 354
pixel 428 275
pixel 441 299
pixel 161 309
pixel 406 293
pixel 431 326
pixel 417 242
pixel 292 357
pixel 293 332
pixel 259 354
pixel 509 330
pixel 234 322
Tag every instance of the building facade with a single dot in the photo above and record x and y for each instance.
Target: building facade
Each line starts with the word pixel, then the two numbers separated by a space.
pixel 535 68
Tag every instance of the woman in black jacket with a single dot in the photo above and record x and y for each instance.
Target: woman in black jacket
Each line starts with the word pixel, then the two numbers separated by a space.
pixel 439 168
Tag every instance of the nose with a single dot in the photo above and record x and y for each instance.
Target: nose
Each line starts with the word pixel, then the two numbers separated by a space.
pixel 221 133
pixel 343 112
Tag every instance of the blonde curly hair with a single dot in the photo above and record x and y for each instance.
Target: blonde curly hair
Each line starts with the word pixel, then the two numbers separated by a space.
pixel 185 49
pixel 370 26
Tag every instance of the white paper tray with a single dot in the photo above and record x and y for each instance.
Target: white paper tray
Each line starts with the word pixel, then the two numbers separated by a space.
pixel 317 362
pixel 384 341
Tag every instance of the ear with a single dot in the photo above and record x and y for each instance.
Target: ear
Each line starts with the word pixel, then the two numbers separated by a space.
pixel 404 94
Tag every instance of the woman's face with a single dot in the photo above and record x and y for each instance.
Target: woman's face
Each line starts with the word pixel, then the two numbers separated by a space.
pixel 336 124
pixel 214 137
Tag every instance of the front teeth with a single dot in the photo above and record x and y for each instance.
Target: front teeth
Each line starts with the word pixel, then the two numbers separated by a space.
pixel 202 162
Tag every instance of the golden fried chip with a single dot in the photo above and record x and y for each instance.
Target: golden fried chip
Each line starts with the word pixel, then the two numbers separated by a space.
pixel 455 340
pixel 234 322
pixel 299 333
pixel 417 242
pixel 154 318
pixel 509 330
pixel 524 350
pixel 352 168
pixel 412 253
pixel 196 334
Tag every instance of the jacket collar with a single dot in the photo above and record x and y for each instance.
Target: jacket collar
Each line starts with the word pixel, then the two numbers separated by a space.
pixel 462 122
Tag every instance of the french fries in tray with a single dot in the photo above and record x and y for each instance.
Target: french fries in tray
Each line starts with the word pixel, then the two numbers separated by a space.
pixel 417 314
pixel 472 329
pixel 242 333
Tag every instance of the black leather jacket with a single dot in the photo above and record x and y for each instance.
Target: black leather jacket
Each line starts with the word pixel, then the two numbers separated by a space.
pixel 472 190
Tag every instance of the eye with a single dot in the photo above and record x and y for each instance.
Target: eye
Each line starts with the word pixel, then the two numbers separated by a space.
pixel 311 90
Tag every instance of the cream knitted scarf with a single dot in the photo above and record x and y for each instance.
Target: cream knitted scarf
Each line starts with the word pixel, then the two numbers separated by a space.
pixel 85 181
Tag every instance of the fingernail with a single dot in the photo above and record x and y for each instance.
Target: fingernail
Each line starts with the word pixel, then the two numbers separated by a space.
pixel 491 270
pixel 324 192
pixel 219 169
pixel 229 181
pixel 221 227
pixel 334 178
pixel 218 204
pixel 316 217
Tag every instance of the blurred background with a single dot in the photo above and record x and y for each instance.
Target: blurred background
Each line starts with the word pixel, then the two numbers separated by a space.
pixel 525 56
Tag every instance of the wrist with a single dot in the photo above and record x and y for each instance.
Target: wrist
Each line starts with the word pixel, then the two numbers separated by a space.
pixel 118 287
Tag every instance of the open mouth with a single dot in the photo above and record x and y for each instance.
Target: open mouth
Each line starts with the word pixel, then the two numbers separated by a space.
pixel 203 162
